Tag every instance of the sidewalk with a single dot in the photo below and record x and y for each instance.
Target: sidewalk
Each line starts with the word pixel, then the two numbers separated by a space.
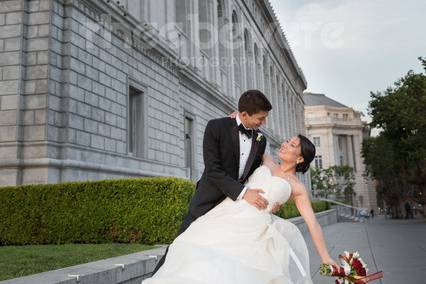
pixel 397 247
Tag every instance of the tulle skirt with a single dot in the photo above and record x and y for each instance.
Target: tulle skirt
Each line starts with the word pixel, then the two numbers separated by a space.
pixel 235 243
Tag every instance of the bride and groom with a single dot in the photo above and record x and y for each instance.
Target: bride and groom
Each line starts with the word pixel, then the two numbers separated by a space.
pixel 230 235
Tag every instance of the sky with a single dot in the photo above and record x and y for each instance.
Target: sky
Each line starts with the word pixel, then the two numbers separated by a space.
pixel 347 48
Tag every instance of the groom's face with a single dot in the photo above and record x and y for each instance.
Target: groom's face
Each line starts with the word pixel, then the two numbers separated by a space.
pixel 255 120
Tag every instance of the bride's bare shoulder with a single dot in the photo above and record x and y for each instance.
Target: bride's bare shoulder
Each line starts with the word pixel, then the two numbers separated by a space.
pixel 268 161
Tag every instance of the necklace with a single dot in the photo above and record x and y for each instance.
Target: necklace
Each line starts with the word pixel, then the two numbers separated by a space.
pixel 289 178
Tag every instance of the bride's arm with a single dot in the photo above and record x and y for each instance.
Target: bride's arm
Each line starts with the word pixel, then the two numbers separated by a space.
pixel 303 204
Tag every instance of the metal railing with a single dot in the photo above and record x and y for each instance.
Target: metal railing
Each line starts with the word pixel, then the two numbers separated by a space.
pixel 356 214
pixel 331 119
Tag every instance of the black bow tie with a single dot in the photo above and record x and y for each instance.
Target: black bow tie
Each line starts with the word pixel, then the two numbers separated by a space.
pixel 246 132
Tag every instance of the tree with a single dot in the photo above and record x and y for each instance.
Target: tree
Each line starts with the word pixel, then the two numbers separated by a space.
pixel 345 182
pixel 397 157
pixel 334 180
pixel 323 182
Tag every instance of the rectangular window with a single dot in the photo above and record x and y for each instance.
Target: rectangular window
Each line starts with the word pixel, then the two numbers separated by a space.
pixel 135 122
pixel 317 141
pixel 318 162
pixel 345 116
pixel 189 145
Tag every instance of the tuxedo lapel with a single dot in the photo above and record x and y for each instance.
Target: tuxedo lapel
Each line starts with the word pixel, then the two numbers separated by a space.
pixel 252 156
pixel 236 144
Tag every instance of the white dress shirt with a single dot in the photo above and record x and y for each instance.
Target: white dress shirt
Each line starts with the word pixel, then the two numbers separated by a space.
pixel 245 148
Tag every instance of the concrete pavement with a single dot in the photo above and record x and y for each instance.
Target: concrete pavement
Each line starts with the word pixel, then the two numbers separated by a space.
pixel 397 247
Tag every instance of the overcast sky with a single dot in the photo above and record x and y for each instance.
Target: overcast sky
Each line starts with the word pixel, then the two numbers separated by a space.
pixel 347 48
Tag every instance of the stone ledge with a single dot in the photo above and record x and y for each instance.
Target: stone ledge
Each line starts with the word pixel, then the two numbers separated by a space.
pixel 128 269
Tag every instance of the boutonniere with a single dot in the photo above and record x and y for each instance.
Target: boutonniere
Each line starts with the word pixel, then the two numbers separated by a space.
pixel 259 137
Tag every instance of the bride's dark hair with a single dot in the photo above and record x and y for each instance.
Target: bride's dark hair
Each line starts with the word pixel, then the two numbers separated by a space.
pixel 308 154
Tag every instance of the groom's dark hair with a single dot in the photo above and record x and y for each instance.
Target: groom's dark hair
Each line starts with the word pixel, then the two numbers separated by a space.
pixel 253 101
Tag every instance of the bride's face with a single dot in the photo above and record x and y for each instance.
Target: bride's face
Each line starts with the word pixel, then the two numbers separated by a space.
pixel 290 151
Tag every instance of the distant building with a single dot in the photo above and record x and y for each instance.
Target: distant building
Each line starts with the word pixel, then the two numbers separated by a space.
pixel 337 132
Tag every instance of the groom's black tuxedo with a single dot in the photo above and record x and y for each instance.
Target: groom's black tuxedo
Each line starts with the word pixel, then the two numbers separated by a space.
pixel 221 152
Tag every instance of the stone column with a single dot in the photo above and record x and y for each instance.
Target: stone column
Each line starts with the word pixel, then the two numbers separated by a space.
pixel 12 58
pixel 24 89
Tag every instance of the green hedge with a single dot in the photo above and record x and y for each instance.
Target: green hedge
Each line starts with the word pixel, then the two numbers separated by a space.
pixel 145 210
pixel 142 210
pixel 289 210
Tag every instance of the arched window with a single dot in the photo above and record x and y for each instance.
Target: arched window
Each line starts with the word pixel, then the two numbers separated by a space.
pixel 266 83
pixel 205 22
pixel 280 107
pixel 272 96
pixel 183 23
pixel 157 15
pixel 223 56
pixel 182 16
pixel 236 47
pixel 289 111
pixel 248 59
pixel 205 15
pixel 285 110
pixel 258 67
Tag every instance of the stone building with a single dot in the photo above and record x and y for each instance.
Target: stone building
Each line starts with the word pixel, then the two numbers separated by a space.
pixel 96 89
pixel 337 132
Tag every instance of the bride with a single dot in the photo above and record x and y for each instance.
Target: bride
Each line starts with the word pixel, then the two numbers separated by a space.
pixel 237 243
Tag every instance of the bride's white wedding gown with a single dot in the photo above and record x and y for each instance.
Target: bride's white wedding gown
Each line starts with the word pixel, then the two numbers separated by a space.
pixel 235 243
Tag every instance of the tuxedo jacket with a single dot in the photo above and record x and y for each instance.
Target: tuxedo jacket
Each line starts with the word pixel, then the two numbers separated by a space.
pixel 221 153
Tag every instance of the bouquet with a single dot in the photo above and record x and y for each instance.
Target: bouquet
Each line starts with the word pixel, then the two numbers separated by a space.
pixel 352 270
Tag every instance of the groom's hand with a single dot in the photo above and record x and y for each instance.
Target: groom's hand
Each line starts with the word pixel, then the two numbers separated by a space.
pixel 253 197
pixel 234 114
pixel 276 208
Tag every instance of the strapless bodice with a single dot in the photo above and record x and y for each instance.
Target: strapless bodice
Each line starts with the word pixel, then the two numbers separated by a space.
pixel 276 188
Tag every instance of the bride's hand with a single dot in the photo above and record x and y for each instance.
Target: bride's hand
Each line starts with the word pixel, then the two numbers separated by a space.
pixel 234 114
pixel 331 261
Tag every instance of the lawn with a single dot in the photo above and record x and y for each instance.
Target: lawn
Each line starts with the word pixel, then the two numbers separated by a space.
pixel 17 261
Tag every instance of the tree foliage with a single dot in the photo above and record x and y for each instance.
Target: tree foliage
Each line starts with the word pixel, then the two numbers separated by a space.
pixel 397 157
pixel 338 181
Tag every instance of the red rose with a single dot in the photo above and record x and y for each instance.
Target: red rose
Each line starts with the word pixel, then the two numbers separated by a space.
pixel 357 265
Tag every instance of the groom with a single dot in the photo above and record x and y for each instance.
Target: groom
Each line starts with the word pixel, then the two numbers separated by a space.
pixel 232 150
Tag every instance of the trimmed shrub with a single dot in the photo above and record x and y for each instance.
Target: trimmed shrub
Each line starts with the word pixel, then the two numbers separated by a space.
pixel 289 210
pixel 137 210
pixel 143 210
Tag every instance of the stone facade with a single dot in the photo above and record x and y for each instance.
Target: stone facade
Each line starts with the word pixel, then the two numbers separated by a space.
pixel 338 132
pixel 106 89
